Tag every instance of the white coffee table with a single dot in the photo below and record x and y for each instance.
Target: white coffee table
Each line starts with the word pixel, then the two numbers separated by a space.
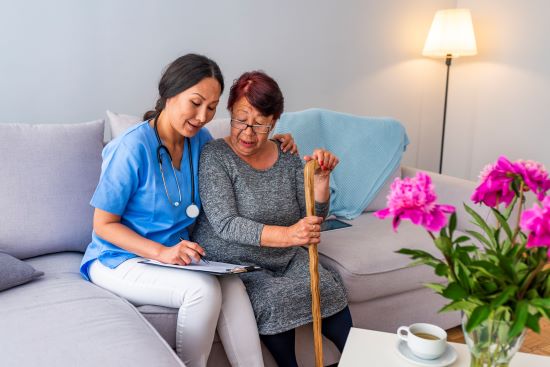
pixel 377 349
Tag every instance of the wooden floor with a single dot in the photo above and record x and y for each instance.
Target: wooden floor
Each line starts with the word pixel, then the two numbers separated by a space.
pixel 534 343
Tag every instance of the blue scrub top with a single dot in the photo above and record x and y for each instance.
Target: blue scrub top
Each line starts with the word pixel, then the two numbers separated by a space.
pixel 131 186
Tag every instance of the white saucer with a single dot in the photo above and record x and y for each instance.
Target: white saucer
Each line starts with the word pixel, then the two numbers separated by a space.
pixel 448 357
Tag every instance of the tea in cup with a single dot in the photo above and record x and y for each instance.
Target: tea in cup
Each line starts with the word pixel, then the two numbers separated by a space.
pixel 425 341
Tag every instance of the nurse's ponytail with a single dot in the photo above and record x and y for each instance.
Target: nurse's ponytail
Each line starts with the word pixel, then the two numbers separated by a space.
pixel 159 106
pixel 183 73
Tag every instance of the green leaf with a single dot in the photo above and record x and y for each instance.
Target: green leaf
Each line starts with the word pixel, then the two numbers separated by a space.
pixel 416 254
pixel 464 276
pixel 428 262
pixel 547 287
pixel 508 211
pixel 544 312
pixel 480 238
pixel 504 296
pixel 459 306
pixel 489 286
pixel 503 223
pixel 454 291
pixel 514 185
pixel 480 314
pixel 531 294
pixel 438 288
pixel 467 248
pixel 444 245
pixel 480 221
pixel 452 224
pixel 442 270
pixel 461 239
pixel 521 314
pixel 533 323
pixel 507 267
pixel 487 268
pixel 541 302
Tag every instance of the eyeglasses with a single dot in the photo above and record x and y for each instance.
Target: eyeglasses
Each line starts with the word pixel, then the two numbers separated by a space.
pixel 241 125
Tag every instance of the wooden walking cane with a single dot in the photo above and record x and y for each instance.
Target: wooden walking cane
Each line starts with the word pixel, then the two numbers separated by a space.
pixel 309 172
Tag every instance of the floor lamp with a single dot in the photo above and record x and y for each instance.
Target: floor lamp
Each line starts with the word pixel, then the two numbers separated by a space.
pixel 451 35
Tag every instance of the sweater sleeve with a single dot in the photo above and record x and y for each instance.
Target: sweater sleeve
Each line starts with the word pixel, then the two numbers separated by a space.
pixel 219 202
pixel 321 209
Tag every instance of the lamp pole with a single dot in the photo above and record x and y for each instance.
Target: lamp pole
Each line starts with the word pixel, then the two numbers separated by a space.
pixel 448 60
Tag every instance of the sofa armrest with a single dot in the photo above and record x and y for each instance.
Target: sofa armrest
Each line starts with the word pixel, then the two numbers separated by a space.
pixel 453 191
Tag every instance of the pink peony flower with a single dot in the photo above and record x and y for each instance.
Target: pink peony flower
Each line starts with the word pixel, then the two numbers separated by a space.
pixel 534 175
pixel 536 221
pixel 495 183
pixel 414 199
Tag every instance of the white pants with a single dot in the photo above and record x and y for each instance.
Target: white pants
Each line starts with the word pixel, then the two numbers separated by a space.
pixel 203 301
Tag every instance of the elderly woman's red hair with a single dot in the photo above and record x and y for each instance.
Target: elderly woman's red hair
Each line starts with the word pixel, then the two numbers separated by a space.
pixel 261 91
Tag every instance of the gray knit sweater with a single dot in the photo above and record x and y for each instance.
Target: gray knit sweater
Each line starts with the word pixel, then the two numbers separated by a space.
pixel 238 201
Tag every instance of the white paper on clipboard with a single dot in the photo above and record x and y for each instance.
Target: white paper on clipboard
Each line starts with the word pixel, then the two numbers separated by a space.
pixel 212 267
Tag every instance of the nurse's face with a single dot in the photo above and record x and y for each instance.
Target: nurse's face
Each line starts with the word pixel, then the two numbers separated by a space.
pixel 190 110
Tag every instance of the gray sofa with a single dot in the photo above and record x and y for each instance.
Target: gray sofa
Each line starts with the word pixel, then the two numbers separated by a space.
pixel 48 174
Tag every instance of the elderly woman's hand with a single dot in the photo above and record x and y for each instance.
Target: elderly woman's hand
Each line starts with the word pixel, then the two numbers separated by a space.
pixel 306 231
pixel 326 159
pixel 287 142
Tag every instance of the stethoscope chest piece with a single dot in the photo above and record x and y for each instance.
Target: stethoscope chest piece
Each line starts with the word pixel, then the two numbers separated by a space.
pixel 192 211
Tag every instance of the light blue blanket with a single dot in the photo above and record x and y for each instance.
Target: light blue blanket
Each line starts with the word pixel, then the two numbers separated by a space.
pixel 369 149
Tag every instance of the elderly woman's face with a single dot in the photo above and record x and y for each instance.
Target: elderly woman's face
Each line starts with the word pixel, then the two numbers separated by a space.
pixel 248 140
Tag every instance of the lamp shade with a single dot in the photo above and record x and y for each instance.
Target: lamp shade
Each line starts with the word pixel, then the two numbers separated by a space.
pixel 451 33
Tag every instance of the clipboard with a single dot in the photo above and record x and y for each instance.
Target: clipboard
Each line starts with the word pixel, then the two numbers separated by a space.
pixel 212 267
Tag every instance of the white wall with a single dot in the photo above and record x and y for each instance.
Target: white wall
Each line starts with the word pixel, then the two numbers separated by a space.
pixel 69 61
pixel 499 100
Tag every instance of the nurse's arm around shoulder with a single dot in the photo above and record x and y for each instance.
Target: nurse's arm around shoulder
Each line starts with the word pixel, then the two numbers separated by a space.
pixel 108 226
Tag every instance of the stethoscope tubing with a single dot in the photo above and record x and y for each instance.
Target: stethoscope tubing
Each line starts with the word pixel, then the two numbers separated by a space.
pixel 162 147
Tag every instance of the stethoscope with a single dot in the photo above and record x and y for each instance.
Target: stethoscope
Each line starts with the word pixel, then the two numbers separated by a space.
pixel 192 210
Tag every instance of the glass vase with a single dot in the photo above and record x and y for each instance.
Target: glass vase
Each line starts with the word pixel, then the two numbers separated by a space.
pixel 489 343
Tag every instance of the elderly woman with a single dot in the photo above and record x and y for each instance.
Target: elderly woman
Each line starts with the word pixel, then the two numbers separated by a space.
pixel 254 213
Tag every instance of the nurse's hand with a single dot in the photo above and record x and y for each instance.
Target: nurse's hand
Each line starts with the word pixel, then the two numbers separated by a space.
pixel 287 142
pixel 184 253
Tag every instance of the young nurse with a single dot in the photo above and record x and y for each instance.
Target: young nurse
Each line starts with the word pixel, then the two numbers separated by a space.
pixel 146 200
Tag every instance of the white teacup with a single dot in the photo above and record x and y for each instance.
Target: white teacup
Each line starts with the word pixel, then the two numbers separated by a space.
pixel 426 341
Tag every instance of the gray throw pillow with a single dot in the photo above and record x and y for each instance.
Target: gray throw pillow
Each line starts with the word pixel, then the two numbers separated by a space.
pixel 15 272
pixel 48 174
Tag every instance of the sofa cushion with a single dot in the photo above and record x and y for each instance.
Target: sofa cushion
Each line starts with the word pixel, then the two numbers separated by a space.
pixel 59 263
pixel 63 320
pixel 49 173
pixel 119 123
pixel 164 319
pixel 14 272
pixel 364 256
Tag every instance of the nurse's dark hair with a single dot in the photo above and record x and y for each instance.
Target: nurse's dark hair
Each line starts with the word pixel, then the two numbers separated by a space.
pixel 183 73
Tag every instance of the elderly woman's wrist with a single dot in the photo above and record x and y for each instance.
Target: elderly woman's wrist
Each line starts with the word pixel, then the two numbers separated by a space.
pixel 322 196
pixel 275 236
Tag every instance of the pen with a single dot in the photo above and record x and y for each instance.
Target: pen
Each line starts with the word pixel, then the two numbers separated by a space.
pixel 202 258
